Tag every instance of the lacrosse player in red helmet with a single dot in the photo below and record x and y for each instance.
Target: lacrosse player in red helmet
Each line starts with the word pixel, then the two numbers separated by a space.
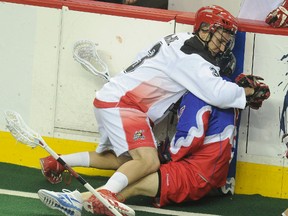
pixel 127 107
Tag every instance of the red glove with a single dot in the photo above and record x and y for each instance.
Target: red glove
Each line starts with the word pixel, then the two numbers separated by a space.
pixel 261 90
pixel 278 17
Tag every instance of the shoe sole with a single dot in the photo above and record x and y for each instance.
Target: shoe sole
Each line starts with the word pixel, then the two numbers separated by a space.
pixel 53 203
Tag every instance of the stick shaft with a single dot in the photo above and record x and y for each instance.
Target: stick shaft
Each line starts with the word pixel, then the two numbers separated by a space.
pixel 25 135
pixel 81 180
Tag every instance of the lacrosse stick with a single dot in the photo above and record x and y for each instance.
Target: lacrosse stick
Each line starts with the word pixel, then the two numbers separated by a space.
pixel 86 54
pixel 22 133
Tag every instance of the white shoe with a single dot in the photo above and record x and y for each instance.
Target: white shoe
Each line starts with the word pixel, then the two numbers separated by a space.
pixel 69 203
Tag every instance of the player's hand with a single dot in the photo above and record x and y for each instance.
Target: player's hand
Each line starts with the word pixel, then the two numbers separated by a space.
pixel 261 90
pixel 278 17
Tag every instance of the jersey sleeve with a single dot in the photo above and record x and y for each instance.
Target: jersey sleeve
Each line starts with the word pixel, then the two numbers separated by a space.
pixel 202 79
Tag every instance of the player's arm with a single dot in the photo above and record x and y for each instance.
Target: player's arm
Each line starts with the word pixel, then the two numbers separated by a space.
pixel 203 80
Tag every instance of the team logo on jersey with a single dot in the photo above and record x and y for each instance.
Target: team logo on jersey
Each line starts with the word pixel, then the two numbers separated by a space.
pixel 214 71
pixel 139 135
pixel 181 110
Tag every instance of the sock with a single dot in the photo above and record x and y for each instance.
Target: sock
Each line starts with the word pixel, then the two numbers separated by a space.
pixel 81 159
pixel 116 183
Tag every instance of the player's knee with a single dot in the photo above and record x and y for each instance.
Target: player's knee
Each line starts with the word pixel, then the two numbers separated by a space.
pixel 152 163
pixel 148 158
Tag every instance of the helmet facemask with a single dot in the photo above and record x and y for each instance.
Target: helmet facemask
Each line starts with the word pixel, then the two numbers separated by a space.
pixel 220 41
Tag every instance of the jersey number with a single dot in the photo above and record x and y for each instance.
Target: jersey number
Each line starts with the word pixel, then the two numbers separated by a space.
pixel 151 53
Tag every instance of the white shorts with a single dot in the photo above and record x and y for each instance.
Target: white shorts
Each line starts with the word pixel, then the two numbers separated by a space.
pixel 123 129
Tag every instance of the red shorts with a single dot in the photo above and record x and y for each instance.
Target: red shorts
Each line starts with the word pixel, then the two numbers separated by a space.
pixel 180 182
pixel 194 177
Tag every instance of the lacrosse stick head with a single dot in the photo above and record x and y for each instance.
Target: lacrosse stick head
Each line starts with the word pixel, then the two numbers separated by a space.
pixel 20 131
pixel 86 54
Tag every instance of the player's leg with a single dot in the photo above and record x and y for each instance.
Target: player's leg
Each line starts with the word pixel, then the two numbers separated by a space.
pixel 175 182
pixel 52 169
pixel 129 131
pixel 107 160
pixel 144 162
pixel 147 186
pixel 104 159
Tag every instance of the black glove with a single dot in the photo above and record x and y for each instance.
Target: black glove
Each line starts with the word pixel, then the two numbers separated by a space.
pixel 227 63
pixel 163 151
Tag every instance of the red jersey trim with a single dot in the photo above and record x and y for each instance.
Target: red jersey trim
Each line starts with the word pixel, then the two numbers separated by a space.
pixel 102 104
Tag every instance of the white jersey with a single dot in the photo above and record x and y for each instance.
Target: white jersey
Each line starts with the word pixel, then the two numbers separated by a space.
pixel 161 75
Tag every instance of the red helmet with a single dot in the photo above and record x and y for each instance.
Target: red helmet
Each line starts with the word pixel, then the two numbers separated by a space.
pixel 216 16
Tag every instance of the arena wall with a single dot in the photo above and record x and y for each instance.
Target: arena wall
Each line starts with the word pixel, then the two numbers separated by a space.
pixel 54 94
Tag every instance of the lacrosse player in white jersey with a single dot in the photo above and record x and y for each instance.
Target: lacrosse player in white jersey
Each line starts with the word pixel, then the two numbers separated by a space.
pixel 128 106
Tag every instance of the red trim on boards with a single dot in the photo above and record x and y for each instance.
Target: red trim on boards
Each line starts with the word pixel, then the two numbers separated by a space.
pixel 256 26
pixel 186 18
pixel 244 25
pixel 49 3
pixel 121 10
pixel 93 6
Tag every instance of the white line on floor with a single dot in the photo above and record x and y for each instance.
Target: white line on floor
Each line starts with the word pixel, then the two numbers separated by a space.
pixel 137 208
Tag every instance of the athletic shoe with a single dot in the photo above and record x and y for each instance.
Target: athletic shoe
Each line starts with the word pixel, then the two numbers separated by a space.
pixel 94 205
pixel 69 203
pixel 156 202
pixel 229 187
pixel 51 169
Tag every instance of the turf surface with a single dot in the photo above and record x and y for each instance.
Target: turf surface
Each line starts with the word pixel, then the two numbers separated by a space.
pixel 18 178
